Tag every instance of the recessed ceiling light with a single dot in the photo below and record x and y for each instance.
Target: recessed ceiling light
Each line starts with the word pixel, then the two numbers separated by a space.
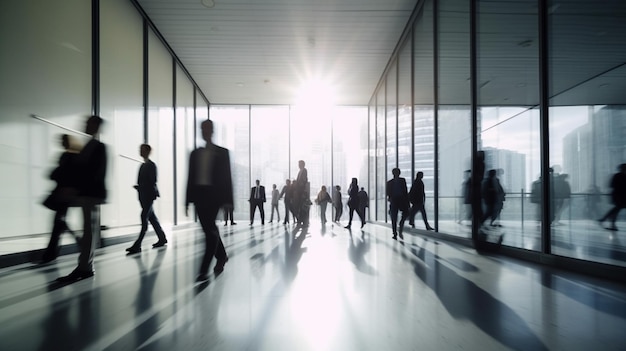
pixel 208 3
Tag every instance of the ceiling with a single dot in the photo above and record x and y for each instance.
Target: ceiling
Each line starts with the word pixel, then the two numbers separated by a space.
pixel 262 51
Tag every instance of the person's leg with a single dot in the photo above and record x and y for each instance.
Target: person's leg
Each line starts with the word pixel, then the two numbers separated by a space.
pixel 393 213
pixel 157 227
pixel 146 208
pixel 277 213
pixel 90 237
pixel 425 218
pixel 262 212
pixel 411 216
pixel 207 212
pixel 58 226
pixel 252 210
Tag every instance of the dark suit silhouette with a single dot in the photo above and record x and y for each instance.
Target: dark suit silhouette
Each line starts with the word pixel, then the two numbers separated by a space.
pixel 91 164
pixel 398 201
pixel 257 198
pixel 417 197
pixel 209 187
pixel 147 192
pixel 618 195
pixel 286 192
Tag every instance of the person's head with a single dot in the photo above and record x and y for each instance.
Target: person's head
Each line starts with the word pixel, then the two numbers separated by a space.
pixel 323 187
pixel 145 150
pixel 273 186
pixel 207 130
pixel 288 182
pixel 93 124
pixel 354 181
pixel 420 175
pixel 301 164
pixel 65 141
pixel 337 187
pixel 395 172
pixel 362 189
pixel 492 173
pixel 258 182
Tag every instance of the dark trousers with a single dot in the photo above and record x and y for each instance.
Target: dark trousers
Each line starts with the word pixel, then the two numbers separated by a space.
pixel 351 210
pixel 287 210
pixel 612 214
pixel 58 227
pixel 393 213
pixel 148 215
pixel 207 211
pixel 338 212
pixel 253 206
pixel 414 210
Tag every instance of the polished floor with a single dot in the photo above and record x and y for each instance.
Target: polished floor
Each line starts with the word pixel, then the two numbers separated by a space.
pixel 326 288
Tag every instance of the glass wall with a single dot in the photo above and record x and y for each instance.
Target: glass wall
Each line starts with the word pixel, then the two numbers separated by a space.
pixel 508 119
pixel 121 106
pixel 405 112
pixel 161 126
pixel 453 112
pixel 381 159
pixel 186 130
pixel 46 73
pixel 269 159
pixel 232 131
pixel 587 128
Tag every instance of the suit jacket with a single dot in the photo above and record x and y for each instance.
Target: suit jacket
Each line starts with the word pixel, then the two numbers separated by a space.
pixel 91 165
pixel 399 198
pixel 417 195
pixel 220 173
pixel 261 194
pixel 147 181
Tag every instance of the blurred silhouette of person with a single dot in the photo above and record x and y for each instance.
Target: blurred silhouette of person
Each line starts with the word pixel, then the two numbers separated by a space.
pixel 562 194
pixel 148 192
pixel 364 203
pixel 417 197
pixel 59 200
pixel 286 192
pixel 592 201
pixel 228 214
pixel 478 172
pixel 535 198
pixel 337 203
pixel 618 195
pixel 353 203
pixel 322 199
pixel 210 187
pixel 500 199
pixel 301 195
pixel 275 197
pixel 257 198
pixel 493 196
pixel 91 165
pixel 466 198
pixel 398 198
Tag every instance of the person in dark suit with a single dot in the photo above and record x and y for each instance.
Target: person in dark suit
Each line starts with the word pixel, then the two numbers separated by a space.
pixel 398 201
pixel 618 195
pixel 228 215
pixel 417 197
pixel 337 203
pixel 65 177
pixel 353 203
pixel 209 188
pixel 148 192
pixel 275 197
pixel 91 165
pixel 364 203
pixel 286 192
pixel 301 195
pixel 257 198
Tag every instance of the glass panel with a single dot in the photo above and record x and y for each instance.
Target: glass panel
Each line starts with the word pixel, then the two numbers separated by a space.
pixel 381 165
pixel 185 134
pixel 587 128
pixel 405 109
pixel 508 122
pixel 392 120
pixel 454 115
pixel 121 105
pixel 202 114
pixel 372 160
pixel 160 126
pixel 46 72
pixel 232 131
pixel 269 159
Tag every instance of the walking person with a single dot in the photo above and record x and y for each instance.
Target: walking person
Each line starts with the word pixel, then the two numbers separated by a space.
pixel 257 199
pixel 618 195
pixel 417 197
pixel 353 203
pixel 364 203
pixel 337 203
pixel 209 187
pixel 398 199
pixel 148 192
pixel 228 215
pixel 301 195
pixel 58 201
pixel 286 193
pixel 322 199
pixel 275 197
pixel 91 165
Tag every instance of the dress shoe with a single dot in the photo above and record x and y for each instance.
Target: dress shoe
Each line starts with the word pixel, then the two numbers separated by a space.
pixel 225 224
pixel 202 277
pixel 363 224
pixel 430 228
pixel 347 227
pixel 75 276
pixel 395 236
pixel 159 243
pixel 233 223
pixel 219 266
pixel 133 250
pixel 401 236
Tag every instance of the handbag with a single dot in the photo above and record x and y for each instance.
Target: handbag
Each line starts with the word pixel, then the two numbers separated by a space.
pixel 60 197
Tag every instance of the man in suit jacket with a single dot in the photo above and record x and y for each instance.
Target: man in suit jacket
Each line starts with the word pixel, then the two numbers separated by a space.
pixel 398 201
pixel 91 164
pixel 148 192
pixel 257 198
pixel 417 197
pixel 210 187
